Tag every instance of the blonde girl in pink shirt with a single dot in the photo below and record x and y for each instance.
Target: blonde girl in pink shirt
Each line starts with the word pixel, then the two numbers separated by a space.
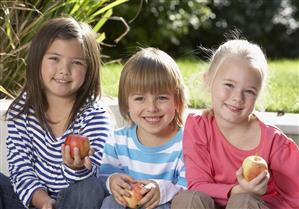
pixel 215 143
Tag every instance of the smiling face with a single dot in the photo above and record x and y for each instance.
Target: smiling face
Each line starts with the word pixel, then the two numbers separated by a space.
pixel 234 90
pixel 152 113
pixel 63 68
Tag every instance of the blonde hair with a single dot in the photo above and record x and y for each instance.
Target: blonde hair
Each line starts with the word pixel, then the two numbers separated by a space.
pixel 154 71
pixel 242 48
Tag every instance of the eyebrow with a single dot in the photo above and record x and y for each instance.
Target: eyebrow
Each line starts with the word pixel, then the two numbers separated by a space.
pixel 57 54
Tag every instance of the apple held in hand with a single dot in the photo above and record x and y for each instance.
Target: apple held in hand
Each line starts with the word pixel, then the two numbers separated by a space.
pixel 81 142
pixel 135 195
pixel 253 166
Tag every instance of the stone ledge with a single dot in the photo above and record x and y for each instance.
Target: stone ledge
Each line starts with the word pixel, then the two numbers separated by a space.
pixel 288 123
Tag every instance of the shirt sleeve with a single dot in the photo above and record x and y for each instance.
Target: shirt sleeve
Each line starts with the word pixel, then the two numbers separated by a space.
pixel 20 161
pixel 198 162
pixel 169 189
pixel 110 162
pixel 285 169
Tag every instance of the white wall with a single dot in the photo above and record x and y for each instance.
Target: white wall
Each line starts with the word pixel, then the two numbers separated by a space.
pixel 3 133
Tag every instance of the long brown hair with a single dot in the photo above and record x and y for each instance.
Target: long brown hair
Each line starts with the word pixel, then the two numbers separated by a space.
pixel 62 28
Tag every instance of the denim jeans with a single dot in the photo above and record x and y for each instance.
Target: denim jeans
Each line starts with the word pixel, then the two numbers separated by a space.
pixel 8 198
pixel 110 203
pixel 87 194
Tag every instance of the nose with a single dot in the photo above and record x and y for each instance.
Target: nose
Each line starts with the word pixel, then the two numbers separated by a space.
pixel 64 68
pixel 152 105
pixel 238 96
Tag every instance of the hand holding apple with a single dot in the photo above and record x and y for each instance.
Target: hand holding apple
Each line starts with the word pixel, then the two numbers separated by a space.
pixel 252 166
pixel 132 202
pixel 81 142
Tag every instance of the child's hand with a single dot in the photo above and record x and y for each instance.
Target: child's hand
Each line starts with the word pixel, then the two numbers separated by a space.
pixel 49 204
pixel 75 163
pixel 118 184
pixel 151 195
pixel 258 185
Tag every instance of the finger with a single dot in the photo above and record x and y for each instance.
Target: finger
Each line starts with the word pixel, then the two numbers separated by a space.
pixel 91 151
pixel 257 180
pixel 118 196
pixel 76 152
pixel 120 200
pixel 239 175
pixel 87 163
pixel 77 162
pixel 67 152
pixel 118 191
pixel 262 186
pixel 153 205
pixel 67 155
pixel 127 178
pixel 147 199
pixel 62 150
pixel 124 185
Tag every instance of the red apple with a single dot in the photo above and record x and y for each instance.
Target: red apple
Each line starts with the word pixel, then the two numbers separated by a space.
pixel 253 166
pixel 81 142
pixel 135 195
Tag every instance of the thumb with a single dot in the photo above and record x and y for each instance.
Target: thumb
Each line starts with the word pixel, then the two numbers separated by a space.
pixel 239 174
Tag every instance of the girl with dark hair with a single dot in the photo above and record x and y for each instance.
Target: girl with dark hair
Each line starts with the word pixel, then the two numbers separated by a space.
pixel 58 99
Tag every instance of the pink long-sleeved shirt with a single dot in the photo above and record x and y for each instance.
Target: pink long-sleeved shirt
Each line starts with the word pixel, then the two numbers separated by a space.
pixel 211 162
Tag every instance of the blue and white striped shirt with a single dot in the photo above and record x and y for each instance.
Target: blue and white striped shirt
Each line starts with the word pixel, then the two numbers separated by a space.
pixel 34 155
pixel 163 164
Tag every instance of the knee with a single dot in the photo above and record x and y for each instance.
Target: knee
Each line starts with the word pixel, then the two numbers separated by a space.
pixel 248 200
pixel 86 188
pixel 244 196
pixel 191 199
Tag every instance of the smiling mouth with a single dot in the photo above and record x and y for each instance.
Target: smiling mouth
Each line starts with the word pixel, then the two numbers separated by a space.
pixel 233 108
pixel 153 119
pixel 61 81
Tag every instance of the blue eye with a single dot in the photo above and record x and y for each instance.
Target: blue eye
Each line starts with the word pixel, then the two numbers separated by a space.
pixel 251 92
pixel 162 97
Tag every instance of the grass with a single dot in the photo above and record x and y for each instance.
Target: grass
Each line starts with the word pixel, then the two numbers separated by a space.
pixel 281 95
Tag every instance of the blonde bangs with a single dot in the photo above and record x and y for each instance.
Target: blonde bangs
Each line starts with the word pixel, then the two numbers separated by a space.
pixel 150 78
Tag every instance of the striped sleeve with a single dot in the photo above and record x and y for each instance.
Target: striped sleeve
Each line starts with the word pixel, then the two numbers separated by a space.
pixel 20 160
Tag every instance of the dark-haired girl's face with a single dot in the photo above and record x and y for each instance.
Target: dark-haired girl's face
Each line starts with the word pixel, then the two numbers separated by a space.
pixel 63 69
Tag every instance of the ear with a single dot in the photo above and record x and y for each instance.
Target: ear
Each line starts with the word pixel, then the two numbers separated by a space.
pixel 206 78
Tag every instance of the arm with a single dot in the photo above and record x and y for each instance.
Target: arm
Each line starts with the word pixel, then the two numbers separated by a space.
pixel 198 162
pixel 96 125
pixel 169 189
pixel 284 168
pixel 20 160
